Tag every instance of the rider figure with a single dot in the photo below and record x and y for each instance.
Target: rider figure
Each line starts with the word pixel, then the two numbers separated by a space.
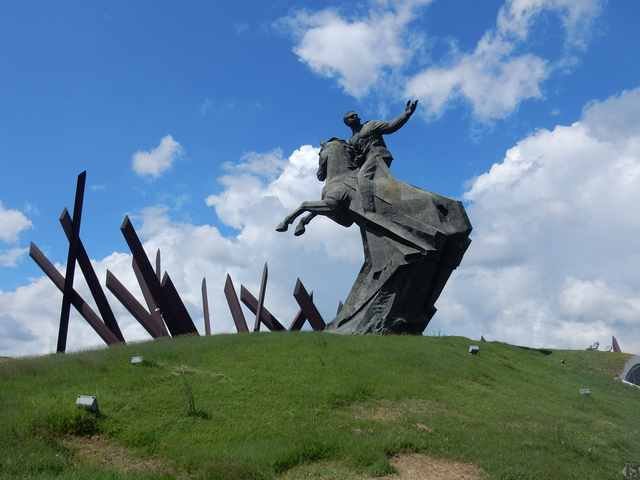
pixel 367 140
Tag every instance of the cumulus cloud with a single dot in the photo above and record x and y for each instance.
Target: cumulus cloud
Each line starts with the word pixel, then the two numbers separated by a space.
pixel 158 160
pixel 370 52
pixel 12 223
pixel 516 17
pixel 10 257
pixel 494 78
pixel 254 200
pixel 267 164
pixel 553 260
pixel 356 51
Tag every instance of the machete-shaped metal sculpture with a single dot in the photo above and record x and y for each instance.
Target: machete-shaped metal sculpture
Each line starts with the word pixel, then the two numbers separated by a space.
pixel 75 299
pixel 266 318
pixel 234 306
pixel 308 308
pixel 91 278
pixel 71 263
pixel 261 294
pixel 205 308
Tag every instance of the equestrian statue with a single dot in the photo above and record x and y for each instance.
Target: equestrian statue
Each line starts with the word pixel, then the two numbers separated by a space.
pixel 412 239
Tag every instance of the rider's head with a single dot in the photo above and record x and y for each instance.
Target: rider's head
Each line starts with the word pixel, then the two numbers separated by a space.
pixel 351 119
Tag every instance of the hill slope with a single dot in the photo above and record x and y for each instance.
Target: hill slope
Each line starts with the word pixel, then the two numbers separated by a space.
pixel 311 405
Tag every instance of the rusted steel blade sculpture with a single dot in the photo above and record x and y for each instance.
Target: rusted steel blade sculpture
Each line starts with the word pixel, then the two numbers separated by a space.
pixel 205 308
pixel 266 318
pixel 234 306
pixel 300 318
pixel 261 293
pixel 307 306
pixel 91 277
pixel 167 306
pixel 154 310
pixel 75 299
pixel 180 323
pixel 71 263
pixel 132 305
pixel 615 346
pixel 158 269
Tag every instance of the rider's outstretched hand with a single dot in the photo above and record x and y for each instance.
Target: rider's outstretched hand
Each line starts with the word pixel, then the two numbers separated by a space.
pixel 411 106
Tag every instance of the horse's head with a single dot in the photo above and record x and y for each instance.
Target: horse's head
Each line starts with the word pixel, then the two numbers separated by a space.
pixel 336 157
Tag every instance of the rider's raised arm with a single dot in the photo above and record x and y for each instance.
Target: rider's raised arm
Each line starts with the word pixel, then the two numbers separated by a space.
pixel 394 125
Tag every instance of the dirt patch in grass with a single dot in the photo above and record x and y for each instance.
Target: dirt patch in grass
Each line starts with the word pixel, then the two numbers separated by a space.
pixel 391 411
pixel 409 467
pixel 98 451
pixel 325 470
pixel 422 467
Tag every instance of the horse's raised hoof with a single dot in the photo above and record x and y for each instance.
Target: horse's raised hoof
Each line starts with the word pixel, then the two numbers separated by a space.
pixel 282 227
pixel 299 230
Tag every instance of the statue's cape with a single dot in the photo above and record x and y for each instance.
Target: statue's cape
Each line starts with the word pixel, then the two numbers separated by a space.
pixel 417 226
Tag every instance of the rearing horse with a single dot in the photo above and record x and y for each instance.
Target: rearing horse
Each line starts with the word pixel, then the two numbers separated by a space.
pixel 341 202
pixel 338 168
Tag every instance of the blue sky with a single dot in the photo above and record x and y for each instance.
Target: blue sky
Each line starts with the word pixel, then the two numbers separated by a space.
pixel 234 88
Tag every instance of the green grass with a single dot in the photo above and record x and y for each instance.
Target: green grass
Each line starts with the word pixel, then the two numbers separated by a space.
pixel 266 406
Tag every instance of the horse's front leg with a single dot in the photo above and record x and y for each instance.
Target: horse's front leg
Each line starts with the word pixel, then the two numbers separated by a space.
pixel 300 228
pixel 319 207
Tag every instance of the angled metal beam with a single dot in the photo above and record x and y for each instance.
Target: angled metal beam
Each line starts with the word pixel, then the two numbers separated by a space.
pixel 167 308
pixel 132 305
pixel 299 319
pixel 154 310
pixel 307 306
pixel 205 308
pixel 71 263
pixel 180 323
pixel 158 268
pixel 74 298
pixel 267 318
pixel 261 293
pixel 234 306
pixel 615 346
pixel 92 279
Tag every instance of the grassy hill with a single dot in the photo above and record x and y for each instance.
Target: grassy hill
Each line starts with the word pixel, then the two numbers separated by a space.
pixel 318 406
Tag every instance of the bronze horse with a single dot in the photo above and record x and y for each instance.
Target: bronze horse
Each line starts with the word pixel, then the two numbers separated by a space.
pixel 341 201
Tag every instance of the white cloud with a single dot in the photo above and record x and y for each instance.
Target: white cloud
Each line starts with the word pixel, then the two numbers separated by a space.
pixel 12 223
pixel 516 17
pixel 266 164
pixel 10 257
pixel 553 260
pixel 253 200
pixel 374 51
pixel 488 79
pixel 494 78
pixel 158 160
pixel 358 51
